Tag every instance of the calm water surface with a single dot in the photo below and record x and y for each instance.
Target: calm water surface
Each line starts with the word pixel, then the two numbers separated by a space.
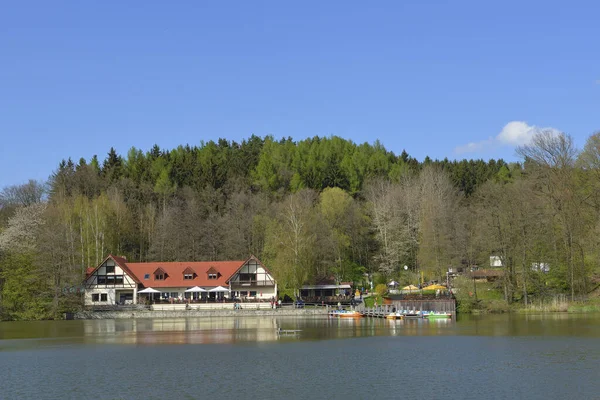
pixel 499 357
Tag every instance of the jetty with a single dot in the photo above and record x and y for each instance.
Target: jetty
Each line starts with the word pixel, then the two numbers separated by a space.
pixel 410 307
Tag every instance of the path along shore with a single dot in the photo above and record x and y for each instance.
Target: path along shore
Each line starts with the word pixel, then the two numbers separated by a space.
pixel 198 313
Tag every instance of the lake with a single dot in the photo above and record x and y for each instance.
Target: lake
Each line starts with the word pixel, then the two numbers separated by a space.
pixel 554 356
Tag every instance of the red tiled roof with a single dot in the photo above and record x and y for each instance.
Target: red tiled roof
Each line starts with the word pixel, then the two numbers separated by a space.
pixel 175 270
pixel 122 261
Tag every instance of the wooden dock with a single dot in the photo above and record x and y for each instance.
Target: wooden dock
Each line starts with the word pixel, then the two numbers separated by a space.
pixel 413 309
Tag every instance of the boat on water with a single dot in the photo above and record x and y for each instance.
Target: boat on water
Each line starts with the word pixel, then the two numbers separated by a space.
pixel 411 314
pixel 437 315
pixel 394 315
pixel 345 314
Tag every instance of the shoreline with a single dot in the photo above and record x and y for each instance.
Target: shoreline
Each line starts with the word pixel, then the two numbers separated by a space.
pixel 83 315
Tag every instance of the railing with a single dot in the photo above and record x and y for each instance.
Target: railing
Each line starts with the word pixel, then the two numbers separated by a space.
pixel 119 307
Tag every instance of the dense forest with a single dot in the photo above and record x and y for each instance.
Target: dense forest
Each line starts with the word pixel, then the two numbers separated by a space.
pixel 320 207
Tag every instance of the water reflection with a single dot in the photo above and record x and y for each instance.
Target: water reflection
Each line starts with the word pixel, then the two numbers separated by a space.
pixel 181 330
pixel 269 329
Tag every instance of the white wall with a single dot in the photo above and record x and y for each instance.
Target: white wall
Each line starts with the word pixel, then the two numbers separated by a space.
pixel 129 285
pixel 111 300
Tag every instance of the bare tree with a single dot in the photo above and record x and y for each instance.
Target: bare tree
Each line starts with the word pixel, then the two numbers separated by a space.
pixel 439 200
pixel 552 158
pixel 27 194
pixel 392 230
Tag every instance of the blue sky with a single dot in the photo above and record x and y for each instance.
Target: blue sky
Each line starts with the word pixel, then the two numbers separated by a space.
pixel 435 78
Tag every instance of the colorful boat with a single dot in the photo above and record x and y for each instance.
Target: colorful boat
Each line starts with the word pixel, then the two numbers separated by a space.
pixel 412 314
pixel 394 315
pixel 437 315
pixel 345 314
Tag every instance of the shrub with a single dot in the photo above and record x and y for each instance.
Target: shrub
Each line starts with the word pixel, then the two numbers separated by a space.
pixel 381 289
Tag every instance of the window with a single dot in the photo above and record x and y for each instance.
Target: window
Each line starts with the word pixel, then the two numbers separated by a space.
pixel 95 297
pixel 159 277
pixel 146 276
pixel 252 294
pixel 188 276
pixel 103 297
pixel 110 269
pixel 247 277
pixel 212 276
pixel 110 280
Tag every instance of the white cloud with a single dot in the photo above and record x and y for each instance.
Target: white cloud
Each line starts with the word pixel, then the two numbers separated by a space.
pixel 515 133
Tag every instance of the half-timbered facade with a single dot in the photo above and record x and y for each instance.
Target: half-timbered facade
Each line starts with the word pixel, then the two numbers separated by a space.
pixel 117 281
pixel 111 283
pixel 252 280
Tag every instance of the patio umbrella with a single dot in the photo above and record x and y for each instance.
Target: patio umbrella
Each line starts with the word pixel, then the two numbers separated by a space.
pixel 149 290
pixel 410 287
pixel 393 283
pixel 219 289
pixel 196 289
pixel 435 287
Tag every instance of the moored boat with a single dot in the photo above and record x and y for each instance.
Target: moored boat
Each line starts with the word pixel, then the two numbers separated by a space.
pixel 437 315
pixel 412 314
pixel 394 315
pixel 345 314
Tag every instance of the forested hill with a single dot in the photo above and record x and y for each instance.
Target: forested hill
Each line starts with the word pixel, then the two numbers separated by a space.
pixel 261 164
pixel 321 207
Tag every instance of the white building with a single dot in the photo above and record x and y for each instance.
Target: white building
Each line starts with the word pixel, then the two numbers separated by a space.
pixel 117 281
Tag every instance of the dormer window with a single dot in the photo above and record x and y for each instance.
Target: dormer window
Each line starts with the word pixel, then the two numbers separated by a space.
pixel 189 274
pixel 213 273
pixel 160 274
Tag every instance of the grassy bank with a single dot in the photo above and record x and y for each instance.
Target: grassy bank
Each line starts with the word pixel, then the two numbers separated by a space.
pixel 492 302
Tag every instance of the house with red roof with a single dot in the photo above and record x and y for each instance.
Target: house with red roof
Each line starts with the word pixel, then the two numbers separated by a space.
pixel 117 281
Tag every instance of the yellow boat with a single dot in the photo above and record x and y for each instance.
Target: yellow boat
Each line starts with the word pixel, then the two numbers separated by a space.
pixel 394 315
pixel 345 314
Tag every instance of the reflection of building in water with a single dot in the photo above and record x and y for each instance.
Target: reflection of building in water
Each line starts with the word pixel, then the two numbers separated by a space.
pixel 181 330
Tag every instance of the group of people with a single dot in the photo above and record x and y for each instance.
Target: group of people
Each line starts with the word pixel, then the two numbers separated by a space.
pixel 275 303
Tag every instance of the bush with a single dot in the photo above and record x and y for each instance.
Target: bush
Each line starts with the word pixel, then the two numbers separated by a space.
pixel 381 289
